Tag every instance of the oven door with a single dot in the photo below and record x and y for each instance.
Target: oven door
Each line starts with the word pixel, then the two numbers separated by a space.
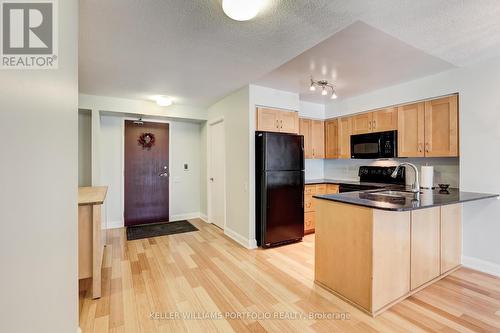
pixel 374 145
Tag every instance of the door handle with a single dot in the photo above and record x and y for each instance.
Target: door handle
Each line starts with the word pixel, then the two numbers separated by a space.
pixel 419 147
pixel 374 124
pixel 163 174
pixel 277 123
pixel 281 121
pixel 369 125
pixel 427 147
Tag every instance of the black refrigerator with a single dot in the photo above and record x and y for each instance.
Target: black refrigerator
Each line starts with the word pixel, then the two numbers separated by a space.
pixel 279 188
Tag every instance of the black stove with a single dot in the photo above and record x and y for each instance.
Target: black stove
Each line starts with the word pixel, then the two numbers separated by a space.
pixel 375 175
pixel 379 174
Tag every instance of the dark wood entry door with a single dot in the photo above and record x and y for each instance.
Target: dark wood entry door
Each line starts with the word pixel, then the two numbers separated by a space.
pixel 146 173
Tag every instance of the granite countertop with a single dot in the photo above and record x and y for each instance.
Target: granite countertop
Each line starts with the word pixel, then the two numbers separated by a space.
pixel 428 198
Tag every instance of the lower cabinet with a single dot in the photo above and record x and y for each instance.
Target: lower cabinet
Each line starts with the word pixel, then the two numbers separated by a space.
pixel 309 209
pixel 451 237
pixel 375 258
pixel 425 241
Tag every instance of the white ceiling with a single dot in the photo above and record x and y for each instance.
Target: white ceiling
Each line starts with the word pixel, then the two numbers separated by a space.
pixel 356 59
pixel 193 52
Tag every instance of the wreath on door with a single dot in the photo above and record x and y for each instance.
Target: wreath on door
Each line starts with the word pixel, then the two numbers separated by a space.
pixel 146 140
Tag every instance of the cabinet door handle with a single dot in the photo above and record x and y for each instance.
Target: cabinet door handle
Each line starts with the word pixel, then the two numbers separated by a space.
pixel 419 147
pixel 427 147
pixel 369 125
pixel 277 123
pixel 374 124
pixel 281 123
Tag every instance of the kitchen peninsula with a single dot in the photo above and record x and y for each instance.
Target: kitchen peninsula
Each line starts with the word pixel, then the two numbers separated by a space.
pixel 375 248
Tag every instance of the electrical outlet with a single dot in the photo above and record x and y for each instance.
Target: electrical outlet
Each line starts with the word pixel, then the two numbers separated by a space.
pixel 186 167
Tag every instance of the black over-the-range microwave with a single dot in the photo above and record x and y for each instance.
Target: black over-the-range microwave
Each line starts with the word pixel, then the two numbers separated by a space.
pixel 375 145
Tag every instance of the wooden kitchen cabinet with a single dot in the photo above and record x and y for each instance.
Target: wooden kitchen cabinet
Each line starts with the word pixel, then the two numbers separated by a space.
pixel 309 214
pixel 344 135
pixel 441 127
pixel 332 189
pixel 289 122
pixel 362 254
pixel 314 137
pixel 273 120
pixel 267 120
pixel 309 208
pixel 425 246
pixel 428 129
pixel 451 237
pixel 331 138
pixel 411 134
pixel 362 123
pixel 375 258
pixel 305 128
pixel 375 121
pixel 318 138
pixel 385 120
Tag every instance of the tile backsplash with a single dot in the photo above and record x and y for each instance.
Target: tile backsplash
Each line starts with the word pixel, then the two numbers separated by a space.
pixel 446 169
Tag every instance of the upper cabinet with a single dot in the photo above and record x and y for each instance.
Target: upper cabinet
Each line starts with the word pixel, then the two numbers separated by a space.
pixel 376 121
pixel 441 127
pixel 274 120
pixel 344 142
pixel 305 127
pixel 385 120
pixel 314 137
pixel 411 135
pixel 428 129
pixel 318 138
pixel 362 123
pixel 332 138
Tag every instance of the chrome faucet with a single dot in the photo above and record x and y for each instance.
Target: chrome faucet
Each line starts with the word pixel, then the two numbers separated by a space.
pixel 415 187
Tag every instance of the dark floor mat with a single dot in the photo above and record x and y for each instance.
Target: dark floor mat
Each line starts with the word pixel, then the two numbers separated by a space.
pixel 159 229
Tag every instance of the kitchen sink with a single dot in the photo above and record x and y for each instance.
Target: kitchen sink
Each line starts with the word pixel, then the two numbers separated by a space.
pixel 395 197
pixel 396 194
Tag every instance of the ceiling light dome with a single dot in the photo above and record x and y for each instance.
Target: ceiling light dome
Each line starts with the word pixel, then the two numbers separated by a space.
pixel 241 10
pixel 163 100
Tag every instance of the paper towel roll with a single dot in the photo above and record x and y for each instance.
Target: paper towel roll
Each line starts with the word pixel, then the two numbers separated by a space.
pixel 427 176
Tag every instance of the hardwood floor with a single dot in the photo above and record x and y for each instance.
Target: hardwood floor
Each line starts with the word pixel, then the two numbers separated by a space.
pixel 147 283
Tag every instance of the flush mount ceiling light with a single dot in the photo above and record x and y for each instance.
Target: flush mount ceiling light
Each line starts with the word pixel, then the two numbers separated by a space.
pixel 241 10
pixel 163 101
pixel 325 86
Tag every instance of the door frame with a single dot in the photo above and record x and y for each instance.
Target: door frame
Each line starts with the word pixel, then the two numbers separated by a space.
pixel 169 162
pixel 209 170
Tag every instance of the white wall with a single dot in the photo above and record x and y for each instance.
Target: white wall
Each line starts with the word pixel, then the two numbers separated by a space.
pixel 234 109
pixel 184 185
pixel 38 190
pixel 479 104
pixel 311 110
pixel 140 107
pixel 84 148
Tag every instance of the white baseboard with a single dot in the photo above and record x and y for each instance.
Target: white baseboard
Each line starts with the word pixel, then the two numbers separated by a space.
pixel 187 216
pixel 114 224
pixel 204 217
pixel 481 265
pixel 245 242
